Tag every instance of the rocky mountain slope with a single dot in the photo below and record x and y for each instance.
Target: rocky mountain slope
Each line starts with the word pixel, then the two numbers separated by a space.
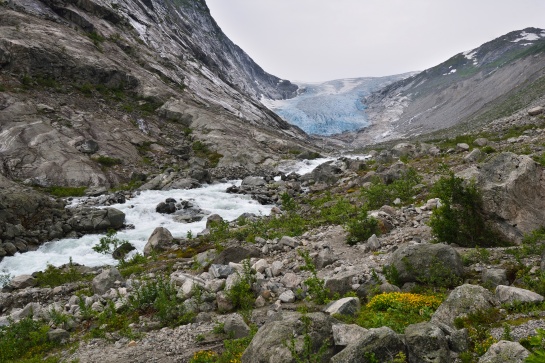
pixel 473 87
pixel 92 91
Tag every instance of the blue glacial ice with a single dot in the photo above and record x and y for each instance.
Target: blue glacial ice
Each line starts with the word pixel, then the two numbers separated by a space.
pixel 331 107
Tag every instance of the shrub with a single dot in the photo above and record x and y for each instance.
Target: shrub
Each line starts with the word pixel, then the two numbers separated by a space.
pixel 398 310
pixel 317 291
pixel 204 356
pixel 379 194
pixel 24 339
pixel 241 294
pixel 460 218
pixel 537 347
pixel 61 192
pixel 54 276
pixel 109 243
pixel 108 161
pixel 308 353
pixel 361 228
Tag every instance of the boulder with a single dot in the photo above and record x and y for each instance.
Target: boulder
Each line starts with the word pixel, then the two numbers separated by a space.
pixel 87 146
pixel 236 254
pixel 481 142
pixel 494 277
pixel 220 271
pixel 269 343
pixel 160 240
pixel 106 280
pixel 166 208
pixel 462 147
pixel 213 219
pixel 253 182
pixel 511 295
pixel 96 220
pixel 328 172
pixel 58 336
pixel 505 351
pixel 424 262
pixel 342 282
pixel 535 111
pixel 287 296
pixel 324 258
pixel 464 300
pixel 22 281
pixel 474 156
pixel 344 306
pixel 513 193
pixel 291 280
pixel 121 251
pixel 383 343
pixel 236 327
pixel 427 343
pixel 345 334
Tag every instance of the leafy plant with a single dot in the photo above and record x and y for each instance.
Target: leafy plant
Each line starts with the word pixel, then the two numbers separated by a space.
pixel 61 192
pixel 308 353
pixel 108 161
pixel 361 228
pixel 459 219
pixel 478 325
pixel 109 243
pixel 241 294
pixel 379 193
pixel 24 339
pixel 55 276
pixel 537 346
pixel 317 291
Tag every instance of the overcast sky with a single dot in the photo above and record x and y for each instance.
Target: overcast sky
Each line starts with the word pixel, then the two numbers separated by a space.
pixel 319 40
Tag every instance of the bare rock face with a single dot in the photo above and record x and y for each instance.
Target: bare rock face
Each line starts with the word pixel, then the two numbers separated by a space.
pixel 513 191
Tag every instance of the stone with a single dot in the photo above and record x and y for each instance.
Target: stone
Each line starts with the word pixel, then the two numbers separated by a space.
pixel 505 351
pixel 106 280
pixel 426 343
pixel 220 271
pixel 341 283
pixel 253 181
pixel 415 263
pixel 511 295
pixel 121 251
pixel 269 343
pixel 22 281
pixel 9 248
pixel 213 220
pixel 260 266
pixel 462 147
pixel 494 277
pixel 276 268
pixel 160 240
pixel 535 111
pixel 481 141
pixel 287 296
pixel 345 334
pixel 383 343
pixel 289 241
pixel 291 280
pixel 166 208
pixel 236 254
pixel 373 243
pixel 324 258
pixel 464 300
pixel 87 146
pixel 476 155
pixel 345 306
pixel 513 193
pixel 58 336
pixel 223 302
pixel 235 327
pixel 96 220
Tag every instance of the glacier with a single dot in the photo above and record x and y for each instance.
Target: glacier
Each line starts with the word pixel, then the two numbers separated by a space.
pixel 330 107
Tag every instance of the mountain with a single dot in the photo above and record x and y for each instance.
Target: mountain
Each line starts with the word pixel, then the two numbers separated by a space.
pixel 94 90
pixel 469 89
pixel 330 107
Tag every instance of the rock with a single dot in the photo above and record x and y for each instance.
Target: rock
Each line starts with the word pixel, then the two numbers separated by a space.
pixel 160 240
pixel 426 343
pixel 463 300
pixel 511 294
pixel 421 262
pixel 494 277
pixel 9 248
pixel 342 282
pixel 535 111
pixel 462 147
pixel 260 266
pixel 505 351
pixel 403 150
pixel 287 296
pixel 235 327
pixel 121 251
pixel 383 343
pixel 345 306
pixel 291 280
pixel 345 334
pixel 513 193
pixel 328 172
pixel 276 268
pixel 223 302
pixel 253 182
pixel 373 243
pixel 481 142
pixel 177 111
pixel 87 146
pixel 166 208
pixel 106 280
pixel 220 271
pixel 269 343
pixel 58 336
pixel 289 241
pixel 213 220
pixel 236 254
pixel 96 220
pixel 22 281
pixel 324 258
pixel 474 156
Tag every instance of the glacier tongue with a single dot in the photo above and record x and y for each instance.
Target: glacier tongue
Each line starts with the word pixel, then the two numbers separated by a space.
pixel 331 107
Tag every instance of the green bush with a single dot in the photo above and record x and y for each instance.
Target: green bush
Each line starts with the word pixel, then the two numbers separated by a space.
pixel 316 290
pixel 24 339
pixel 241 294
pixel 61 192
pixel 108 243
pixel 379 193
pixel 361 228
pixel 108 161
pixel 460 218
pixel 55 276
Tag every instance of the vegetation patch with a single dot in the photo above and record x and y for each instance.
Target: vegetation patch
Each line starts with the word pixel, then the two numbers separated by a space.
pixel 62 192
pixel 107 161
pixel 56 276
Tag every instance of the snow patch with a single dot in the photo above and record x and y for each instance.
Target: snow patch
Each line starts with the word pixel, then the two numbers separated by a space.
pixel 528 36
pixel 471 55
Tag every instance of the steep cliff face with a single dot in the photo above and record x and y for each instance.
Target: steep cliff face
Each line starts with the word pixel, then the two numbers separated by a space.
pixel 493 80
pixel 93 90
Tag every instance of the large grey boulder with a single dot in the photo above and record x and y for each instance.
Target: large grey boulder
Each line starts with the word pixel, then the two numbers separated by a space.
pixel 107 279
pixel 342 282
pixel 344 306
pixel 382 343
pixel 424 262
pixel 345 334
pixel 236 254
pixel 513 192
pixel 22 281
pixel 236 327
pixel 426 343
pixel 494 277
pixel 96 220
pixel 505 351
pixel 160 240
pixel 269 343
pixel 464 300
pixel 511 295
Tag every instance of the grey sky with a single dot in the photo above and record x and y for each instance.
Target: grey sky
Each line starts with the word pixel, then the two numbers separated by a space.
pixel 319 40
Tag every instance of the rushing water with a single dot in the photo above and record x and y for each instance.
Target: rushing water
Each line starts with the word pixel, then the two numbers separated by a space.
pixel 140 212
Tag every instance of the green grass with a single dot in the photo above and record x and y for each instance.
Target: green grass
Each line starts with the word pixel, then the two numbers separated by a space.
pixel 62 192
pixel 201 150
pixel 107 161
